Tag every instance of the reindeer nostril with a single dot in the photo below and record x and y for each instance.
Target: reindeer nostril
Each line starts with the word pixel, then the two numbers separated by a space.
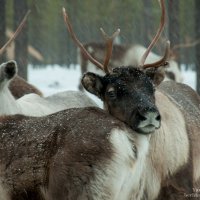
pixel 158 118
pixel 141 117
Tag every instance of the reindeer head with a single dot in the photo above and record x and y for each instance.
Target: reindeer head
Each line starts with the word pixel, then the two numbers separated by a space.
pixel 127 92
pixel 7 71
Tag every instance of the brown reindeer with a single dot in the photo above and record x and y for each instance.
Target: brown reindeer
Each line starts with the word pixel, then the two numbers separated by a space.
pixel 80 153
pixel 18 86
pixel 173 162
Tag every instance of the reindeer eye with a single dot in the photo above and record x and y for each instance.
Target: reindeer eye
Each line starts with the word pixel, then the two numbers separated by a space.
pixel 111 93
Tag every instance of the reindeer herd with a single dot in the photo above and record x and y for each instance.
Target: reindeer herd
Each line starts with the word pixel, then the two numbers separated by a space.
pixel 124 55
pixel 144 144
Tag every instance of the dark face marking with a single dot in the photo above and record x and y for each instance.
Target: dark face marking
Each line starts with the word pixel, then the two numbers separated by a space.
pixel 128 94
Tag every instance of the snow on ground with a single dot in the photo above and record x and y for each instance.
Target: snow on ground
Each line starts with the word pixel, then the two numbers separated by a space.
pixel 189 78
pixel 54 79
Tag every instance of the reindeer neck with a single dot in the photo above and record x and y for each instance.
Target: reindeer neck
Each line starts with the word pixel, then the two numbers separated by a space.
pixel 8 102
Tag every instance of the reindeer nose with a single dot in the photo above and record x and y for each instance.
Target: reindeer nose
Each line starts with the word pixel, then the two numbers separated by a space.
pixel 150 116
pixel 149 119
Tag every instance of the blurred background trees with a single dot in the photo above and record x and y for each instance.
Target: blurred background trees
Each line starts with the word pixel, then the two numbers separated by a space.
pixel 197 34
pixel 21 43
pixel 46 33
pixel 2 27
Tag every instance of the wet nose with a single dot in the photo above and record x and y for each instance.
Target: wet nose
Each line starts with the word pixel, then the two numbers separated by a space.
pixel 149 116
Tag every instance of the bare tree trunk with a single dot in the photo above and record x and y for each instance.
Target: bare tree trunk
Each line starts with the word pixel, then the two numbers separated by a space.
pixel 21 42
pixel 197 31
pixel 174 26
pixel 2 28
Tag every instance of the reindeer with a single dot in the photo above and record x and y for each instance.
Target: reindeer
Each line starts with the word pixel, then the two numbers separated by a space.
pixel 33 104
pixel 137 96
pixel 123 55
pixel 79 153
pixel 18 86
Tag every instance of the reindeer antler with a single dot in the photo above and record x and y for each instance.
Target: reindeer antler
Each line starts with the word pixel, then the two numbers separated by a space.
pixel 162 61
pixel 155 39
pixel 20 27
pixel 109 42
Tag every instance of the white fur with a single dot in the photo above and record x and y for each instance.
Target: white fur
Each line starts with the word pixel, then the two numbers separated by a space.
pixel 4 191
pixel 92 68
pixel 8 102
pixel 3 194
pixel 123 173
pixel 132 57
pixel 169 146
pixel 34 105
pixel 90 50
pixel 168 151
pixel 137 51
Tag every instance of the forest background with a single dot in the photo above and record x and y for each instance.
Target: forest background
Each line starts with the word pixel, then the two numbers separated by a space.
pixel 138 20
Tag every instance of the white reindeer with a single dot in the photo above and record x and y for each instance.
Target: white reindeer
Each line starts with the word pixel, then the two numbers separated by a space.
pixel 33 104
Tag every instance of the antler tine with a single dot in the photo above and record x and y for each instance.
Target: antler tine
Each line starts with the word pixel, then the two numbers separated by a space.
pixel 109 43
pixel 185 45
pixel 16 33
pixel 162 61
pixel 155 39
pixel 77 42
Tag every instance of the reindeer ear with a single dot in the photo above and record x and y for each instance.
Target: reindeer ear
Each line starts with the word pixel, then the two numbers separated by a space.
pixel 9 69
pixel 93 83
pixel 157 75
